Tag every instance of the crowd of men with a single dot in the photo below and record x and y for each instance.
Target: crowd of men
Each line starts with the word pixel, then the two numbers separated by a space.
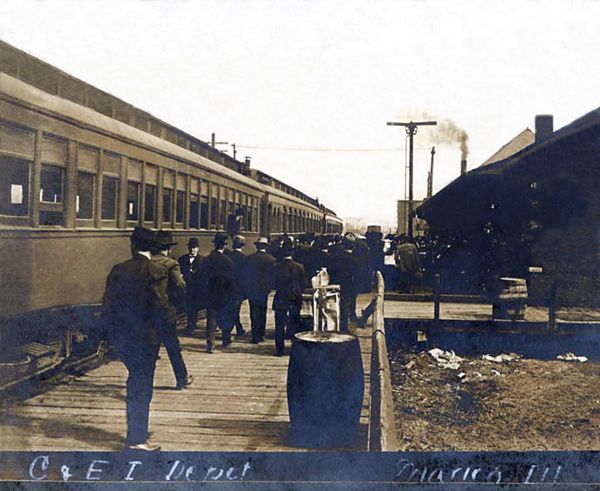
pixel 144 293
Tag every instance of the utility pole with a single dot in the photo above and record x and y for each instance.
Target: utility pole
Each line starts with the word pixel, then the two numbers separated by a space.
pixel 214 143
pixel 430 177
pixel 411 130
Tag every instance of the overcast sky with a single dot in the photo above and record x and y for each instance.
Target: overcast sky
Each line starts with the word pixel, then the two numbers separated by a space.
pixel 306 87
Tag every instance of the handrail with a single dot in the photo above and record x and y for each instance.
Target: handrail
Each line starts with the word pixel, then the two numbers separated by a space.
pixel 382 424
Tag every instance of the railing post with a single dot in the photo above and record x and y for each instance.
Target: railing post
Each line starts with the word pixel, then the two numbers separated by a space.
pixel 436 299
pixel 552 306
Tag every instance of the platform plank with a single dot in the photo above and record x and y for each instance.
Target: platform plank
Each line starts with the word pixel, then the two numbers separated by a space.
pixel 237 402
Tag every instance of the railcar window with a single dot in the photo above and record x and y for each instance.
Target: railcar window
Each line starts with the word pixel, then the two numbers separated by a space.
pixel 109 198
pixel 149 202
pixel 51 184
pixel 14 186
pixel 204 212
pixel 49 217
pixel 213 213
pixel 167 206
pixel 180 205
pixel 194 211
pixel 133 200
pixel 84 200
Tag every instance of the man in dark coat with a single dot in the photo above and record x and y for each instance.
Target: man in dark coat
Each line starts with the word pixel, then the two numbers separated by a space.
pixel 259 279
pixel 189 265
pixel 343 271
pixel 290 282
pixel 239 272
pixel 319 257
pixel 174 289
pixel 219 272
pixel 133 308
pixel 234 222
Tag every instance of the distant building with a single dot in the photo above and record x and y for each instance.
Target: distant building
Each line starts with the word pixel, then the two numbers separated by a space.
pixel 419 225
pixel 537 207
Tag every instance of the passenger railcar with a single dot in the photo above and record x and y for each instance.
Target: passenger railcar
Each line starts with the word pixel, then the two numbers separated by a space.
pixel 80 168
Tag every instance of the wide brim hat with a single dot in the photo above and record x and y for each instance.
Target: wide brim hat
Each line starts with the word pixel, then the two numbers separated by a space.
pixel 220 239
pixel 165 238
pixel 144 234
pixel 239 240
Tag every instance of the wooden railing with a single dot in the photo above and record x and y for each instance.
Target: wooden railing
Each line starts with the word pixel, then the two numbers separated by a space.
pixel 382 425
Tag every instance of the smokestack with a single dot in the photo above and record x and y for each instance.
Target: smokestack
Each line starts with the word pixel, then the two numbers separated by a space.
pixel 463 167
pixel 544 127
pixel 246 166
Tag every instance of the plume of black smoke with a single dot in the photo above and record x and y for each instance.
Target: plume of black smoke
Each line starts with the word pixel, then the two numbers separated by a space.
pixel 446 131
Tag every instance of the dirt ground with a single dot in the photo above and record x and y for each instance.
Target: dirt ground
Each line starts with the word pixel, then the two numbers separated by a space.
pixel 522 404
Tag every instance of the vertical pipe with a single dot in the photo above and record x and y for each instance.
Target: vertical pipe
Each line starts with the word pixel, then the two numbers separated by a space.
pixel 410 183
pixel 552 306
pixel 436 299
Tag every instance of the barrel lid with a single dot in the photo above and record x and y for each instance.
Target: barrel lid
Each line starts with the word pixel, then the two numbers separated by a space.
pixel 325 337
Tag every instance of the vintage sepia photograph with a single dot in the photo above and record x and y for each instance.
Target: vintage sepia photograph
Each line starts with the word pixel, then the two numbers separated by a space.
pixel 348 244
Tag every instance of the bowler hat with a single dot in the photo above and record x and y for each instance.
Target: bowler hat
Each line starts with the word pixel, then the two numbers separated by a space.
pixel 143 234
pixel 239 241
pixel 220 240
pixel 165 238
pixel 193 242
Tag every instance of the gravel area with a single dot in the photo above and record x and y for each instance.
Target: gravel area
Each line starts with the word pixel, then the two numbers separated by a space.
pixel 517 404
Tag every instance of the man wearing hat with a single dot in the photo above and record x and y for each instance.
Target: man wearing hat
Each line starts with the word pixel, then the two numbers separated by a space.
pixel 239 271
pixel 290 282
pixel 133 308
pixel 218 269
pixel 343 272
pixel 189 265
pixel 259 275
pixel 174 289
pixel 234 222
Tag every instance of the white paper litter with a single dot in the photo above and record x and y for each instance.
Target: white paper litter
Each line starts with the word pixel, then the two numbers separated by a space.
pixel 500 358
pixel 572 357
pixel 446 359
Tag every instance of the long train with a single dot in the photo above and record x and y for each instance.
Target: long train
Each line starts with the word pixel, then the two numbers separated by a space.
pixel 80 168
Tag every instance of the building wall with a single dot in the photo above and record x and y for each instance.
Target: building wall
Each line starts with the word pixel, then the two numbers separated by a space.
pixel 419 226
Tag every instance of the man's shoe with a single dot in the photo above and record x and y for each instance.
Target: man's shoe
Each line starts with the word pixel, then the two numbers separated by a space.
pixel 184 383
pixel 146 447
pixel 209 351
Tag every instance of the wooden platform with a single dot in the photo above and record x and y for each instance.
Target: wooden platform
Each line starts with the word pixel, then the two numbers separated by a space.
pixel 237 402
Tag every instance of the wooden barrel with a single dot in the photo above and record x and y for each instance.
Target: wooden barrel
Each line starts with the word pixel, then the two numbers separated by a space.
pixel 325 388
pixel 512 299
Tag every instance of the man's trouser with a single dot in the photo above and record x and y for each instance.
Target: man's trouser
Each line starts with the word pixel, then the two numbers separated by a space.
pixel 286 314
pixel 219 316
pixel 141 363
pixel 171 341
pixel 258 317
pixel 191 311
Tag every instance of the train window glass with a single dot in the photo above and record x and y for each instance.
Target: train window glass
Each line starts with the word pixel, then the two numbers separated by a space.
pixel 213 213
pixel 109 197
pixel 167 205
pixel 48 217
pixel 84 200
pixel 194 211
pixel 223 217
pixel 51 184
pixel 149 202
pixel 14 186
pixel 133 200
pixel 203 212
pixel 180 206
